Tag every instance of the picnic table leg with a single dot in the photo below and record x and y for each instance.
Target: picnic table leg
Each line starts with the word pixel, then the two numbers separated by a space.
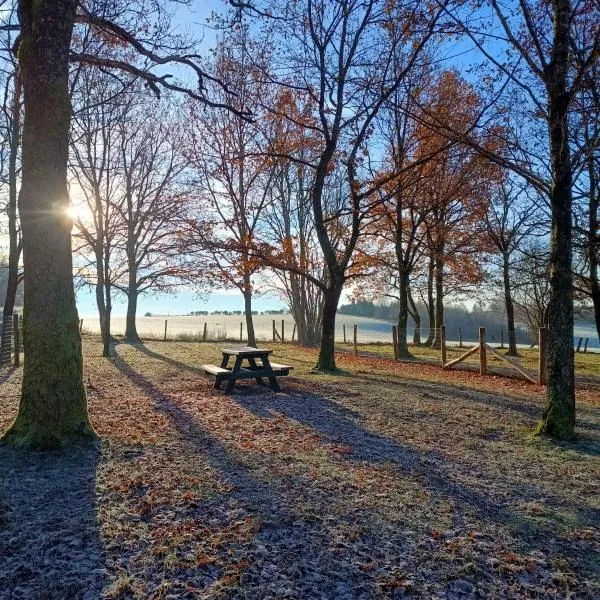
pixel 272 379
pixel 233 376
pixel 253 364
pixel 218 379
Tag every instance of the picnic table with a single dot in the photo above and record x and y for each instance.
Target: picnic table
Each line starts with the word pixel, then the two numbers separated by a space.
pixel 258 367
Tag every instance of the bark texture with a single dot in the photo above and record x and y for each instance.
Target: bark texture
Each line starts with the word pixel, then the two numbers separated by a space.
pixel 558 419
pixel 53 407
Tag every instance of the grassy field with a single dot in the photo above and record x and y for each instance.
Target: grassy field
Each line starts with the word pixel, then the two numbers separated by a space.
pixel 389 480
pixel 586 365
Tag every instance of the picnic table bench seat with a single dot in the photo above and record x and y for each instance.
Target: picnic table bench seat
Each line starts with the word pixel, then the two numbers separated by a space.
pixel 281 369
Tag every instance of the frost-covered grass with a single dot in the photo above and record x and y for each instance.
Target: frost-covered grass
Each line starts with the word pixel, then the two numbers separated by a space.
pixel 385 480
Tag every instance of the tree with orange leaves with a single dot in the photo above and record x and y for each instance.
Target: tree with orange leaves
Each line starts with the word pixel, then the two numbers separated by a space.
pixel 348 61
pixel 457 186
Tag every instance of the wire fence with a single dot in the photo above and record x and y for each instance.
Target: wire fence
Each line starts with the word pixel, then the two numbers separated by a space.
pixel 423 345
pixel 457 344
pixel 10 340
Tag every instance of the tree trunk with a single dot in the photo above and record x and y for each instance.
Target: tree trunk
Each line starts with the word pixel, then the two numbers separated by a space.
pixel 594 241
pixel 248 313
pixel 131 334
pixel 53 407
pixel 101 304
pixel 416 317
pixel 558 419
pixel 439 297
pixel 510 311
pixel 403 351
pixel 331 298
pixel 14 248
pixel 430 301
pixel 107 303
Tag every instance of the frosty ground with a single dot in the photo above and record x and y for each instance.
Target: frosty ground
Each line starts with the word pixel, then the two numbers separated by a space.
pixel 385 481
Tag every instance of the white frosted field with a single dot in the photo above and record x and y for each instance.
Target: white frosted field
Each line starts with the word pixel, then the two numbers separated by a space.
pixel 228 326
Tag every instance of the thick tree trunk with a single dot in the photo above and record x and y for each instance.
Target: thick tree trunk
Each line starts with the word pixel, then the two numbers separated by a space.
pixel 510 311
pixel 53 408
pixel 14 248
pixel 331 298
pixel 430 301
pixel 558 419
pixel 594 241
pixel 439 297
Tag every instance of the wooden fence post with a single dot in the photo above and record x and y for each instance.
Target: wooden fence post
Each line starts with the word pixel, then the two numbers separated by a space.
pixel 395 341
pixel 542 361
pixel 585 345
pixel 502 338
pixel 274 331
pixel 282 330
pixel 294 332
pixel 344 328
pixel 482 352
pixel 460 338
pixel 443 344
pixel 241 331
pixel 356 340
pixel 16 340
pixel 204 332
pixel 579 344
pixel 165 336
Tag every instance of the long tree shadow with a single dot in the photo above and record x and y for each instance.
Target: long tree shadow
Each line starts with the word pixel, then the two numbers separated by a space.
pixel 343 425
pixel 295 551
pixel 167 359
pixel 4 377
pixel 49 535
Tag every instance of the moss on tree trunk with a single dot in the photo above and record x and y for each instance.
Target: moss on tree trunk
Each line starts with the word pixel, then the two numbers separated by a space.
pixel 53 407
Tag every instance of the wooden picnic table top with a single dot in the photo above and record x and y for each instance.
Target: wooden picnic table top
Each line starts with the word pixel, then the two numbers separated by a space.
pixel 246 351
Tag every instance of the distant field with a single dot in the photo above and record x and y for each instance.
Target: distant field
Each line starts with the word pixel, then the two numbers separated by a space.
pixel 222 327
pixel 228 326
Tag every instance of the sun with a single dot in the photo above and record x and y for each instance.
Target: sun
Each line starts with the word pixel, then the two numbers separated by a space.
pixel 78 212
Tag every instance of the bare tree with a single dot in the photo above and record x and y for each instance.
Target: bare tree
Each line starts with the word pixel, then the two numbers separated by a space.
pixel 509 221
pixel 12 113
pixel 342 56
pixel 100 106
pixel 53 407
pixel 232 172
pixel 532 289
pixel 550 51
pixel 154 203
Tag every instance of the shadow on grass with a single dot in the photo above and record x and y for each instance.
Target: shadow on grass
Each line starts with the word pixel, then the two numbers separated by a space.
pixel 434 472
pixel 49 536
pixel 298 550
pixel 166 359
